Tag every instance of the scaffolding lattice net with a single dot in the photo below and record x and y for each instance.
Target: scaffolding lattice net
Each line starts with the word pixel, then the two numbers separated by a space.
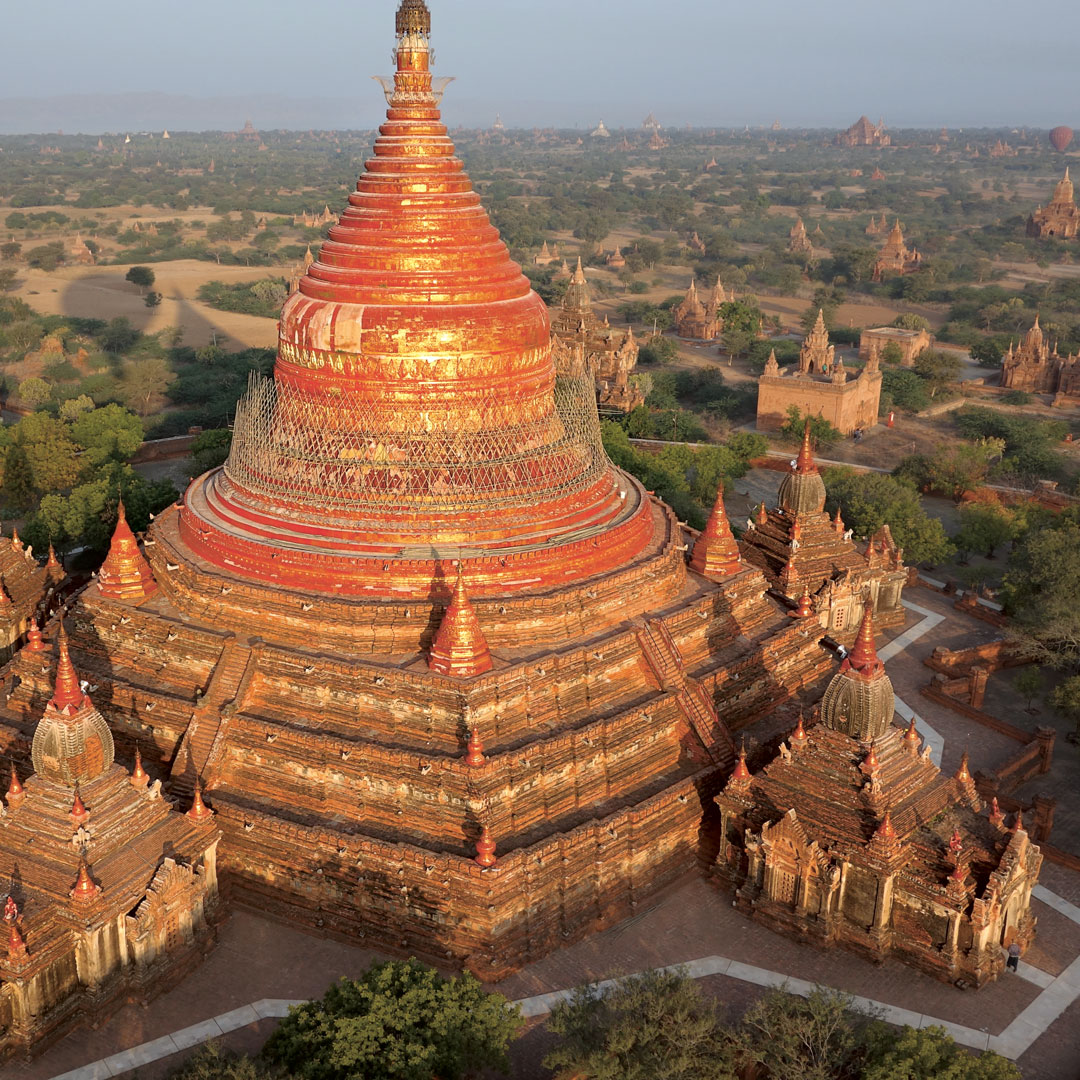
pixel 350 454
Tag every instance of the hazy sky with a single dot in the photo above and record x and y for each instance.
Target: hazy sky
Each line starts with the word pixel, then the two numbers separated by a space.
pixel 567 62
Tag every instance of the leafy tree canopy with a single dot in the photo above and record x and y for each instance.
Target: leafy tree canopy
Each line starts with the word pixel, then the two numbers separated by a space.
pixel 400 1021
pixel 869 500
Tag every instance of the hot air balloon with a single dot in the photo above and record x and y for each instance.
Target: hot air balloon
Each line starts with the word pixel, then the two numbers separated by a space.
pixel 1060 138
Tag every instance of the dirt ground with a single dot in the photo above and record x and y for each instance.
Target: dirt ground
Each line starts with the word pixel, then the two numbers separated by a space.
pixel 100 292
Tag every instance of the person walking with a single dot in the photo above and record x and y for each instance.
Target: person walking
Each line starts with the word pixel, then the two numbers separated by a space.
pixel 1013 962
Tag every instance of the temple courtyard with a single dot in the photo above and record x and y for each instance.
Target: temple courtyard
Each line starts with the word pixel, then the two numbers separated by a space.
pixel 259 967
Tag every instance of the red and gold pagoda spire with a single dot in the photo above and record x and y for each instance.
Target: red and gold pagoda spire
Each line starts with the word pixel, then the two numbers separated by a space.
pixel 459 648
pixel 414 416
pixel 125 574
pixel 716 555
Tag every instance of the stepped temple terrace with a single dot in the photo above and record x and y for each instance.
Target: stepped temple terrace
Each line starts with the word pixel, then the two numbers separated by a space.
pixel 1060 217
pixel 420 669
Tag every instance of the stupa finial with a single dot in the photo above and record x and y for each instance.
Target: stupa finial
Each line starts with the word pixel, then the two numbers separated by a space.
pixel 67 693
pixel 863 657
pixel 805 461
pixel 459 648
pixel 413 17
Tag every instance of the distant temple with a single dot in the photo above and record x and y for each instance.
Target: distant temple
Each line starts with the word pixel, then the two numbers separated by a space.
pixel 863 133
pixel 896 257
pixel 1060 217
pixel 878 228
pixel 1035 367
pixel 699 319
pixel 547 255
pixel 812 561
pixel 78 252
pixel 109 889
pixel 852 837
pixel 581 338
pixel 600 132
pixel 798 241
pixel 616 260
pixel 650 123
pixel 819 387
pixel 911 343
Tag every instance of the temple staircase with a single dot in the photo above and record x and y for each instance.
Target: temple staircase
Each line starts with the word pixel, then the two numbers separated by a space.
pixel 663 657
pixel 230 674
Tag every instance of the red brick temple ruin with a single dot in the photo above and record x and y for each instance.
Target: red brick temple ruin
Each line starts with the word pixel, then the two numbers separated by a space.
pixel 1033 365
pixel 449 681
pixel 864 133
pixel 110 891
pixel 1060 217
pixel 811 561
pixel 798 240
pixel 896 258
pixel 851 836
pixel 820 386
pixel 25 588
pixel 581 338
pixel 701 320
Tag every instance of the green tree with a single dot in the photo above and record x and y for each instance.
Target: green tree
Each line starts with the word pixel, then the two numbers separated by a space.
pixel 211 448
pixel 1065 698
pixel 1040 591
pixel 984 527
pixel 50 451
pixel 869 500
pixel 144 384
pixel 955 468
pixel 10 249
pixel 35 392
pixel 400 1021
pixel 213 1062
pixel 892 354
pixel 119 336
pixel 822 433
pixel 653 1026
pixel 8 280
pixel 1029 684
pixel 938 368
pixel 73 407
pixel 142 276
pixel 794 1038
pixel 152 299
pixel 907 391
pixel 18 483
pixel 987 352
pixel 910 321
pixel 110 433
pixel 928 1053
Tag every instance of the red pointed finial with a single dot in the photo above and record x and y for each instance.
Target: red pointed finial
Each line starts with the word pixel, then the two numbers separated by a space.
pixel 125 574
pixel 789 576
pixel 459 648
pixel 741 775
pixel 956 841
pixel 870 762
pixel 959 874
pixel 863 656
pixel 16 945
pixel 33 637
pixel 805 461
pixel 762 515
pixel 139 776
pixel 805 610
pixel 475 750
pixel 485 849
pixel 68 693
pixel 838 522
pixel 997 818
pixel 715 554
pixel 199 810
pixel 963 774
pixel 15 789
pixel 79 813
pixel 799 736
pixel 886 831
pixel 54 562
pixel 16 543
pixel 911 736
pixel 85 888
